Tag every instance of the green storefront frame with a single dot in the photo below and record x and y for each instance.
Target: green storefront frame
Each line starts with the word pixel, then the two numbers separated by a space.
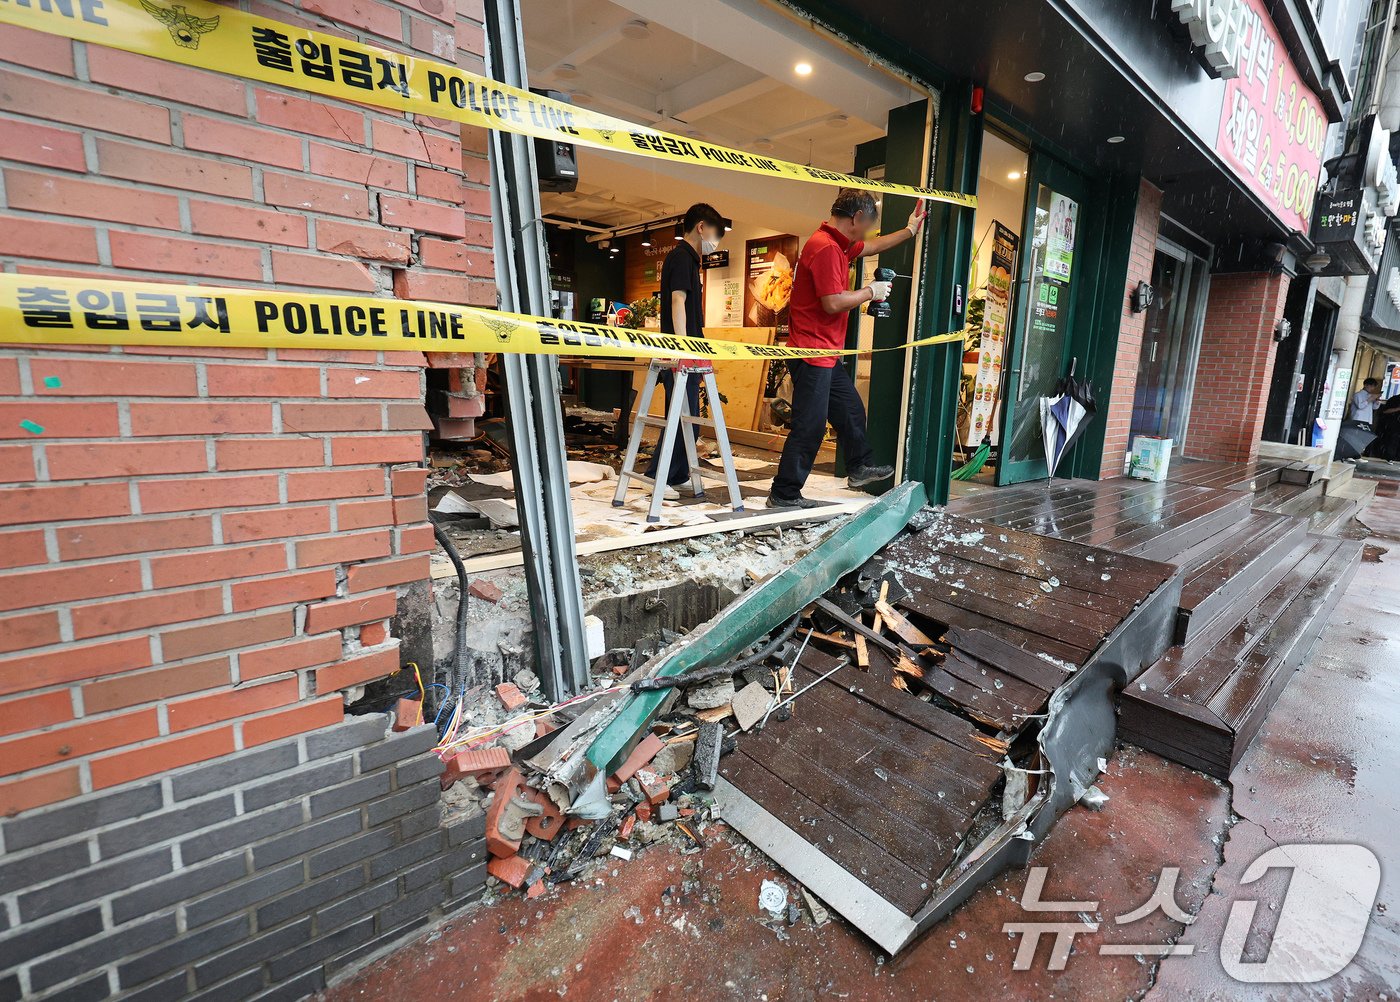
pixel 940 291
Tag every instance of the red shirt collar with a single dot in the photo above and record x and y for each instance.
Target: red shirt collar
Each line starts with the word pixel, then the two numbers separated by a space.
pixel 837 235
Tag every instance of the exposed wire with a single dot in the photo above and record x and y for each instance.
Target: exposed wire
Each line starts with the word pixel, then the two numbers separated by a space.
pixel 452 743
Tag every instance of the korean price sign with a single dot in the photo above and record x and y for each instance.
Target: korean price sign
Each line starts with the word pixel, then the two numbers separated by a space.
pixel 1272 126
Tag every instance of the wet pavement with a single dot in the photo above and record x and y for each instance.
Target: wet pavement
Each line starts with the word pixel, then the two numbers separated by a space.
pixel 668 925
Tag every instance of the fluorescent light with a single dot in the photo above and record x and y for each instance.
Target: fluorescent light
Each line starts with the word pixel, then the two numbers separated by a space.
pixel 1115 139
pixel 1034 77
pixel 803 69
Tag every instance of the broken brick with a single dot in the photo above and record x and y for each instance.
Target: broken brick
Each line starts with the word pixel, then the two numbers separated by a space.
pixel 625 831
pixel 644 811
pixel 510 696
pixel 498 844
pixel 535 889
pixel 408 713
pixel 548 824
pixel 374 634
pixel 485 765
pixel 485 591
pixel 654 788
pixel 642 754
pixel 510 870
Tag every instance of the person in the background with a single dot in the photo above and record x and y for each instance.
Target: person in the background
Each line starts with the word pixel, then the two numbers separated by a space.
pixel 1363 403
pixel 822 391
pixel 683 314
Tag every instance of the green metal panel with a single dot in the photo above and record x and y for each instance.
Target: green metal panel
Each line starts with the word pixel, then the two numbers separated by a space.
pixel 935 381
pixel 1095 343
pixel 763 609
pixel 905 142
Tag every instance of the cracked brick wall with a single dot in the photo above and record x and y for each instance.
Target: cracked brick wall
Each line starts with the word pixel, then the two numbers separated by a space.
pixel 202 551
pixel 258 875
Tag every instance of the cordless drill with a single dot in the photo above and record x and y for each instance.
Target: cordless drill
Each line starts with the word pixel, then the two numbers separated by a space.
pixel 881 310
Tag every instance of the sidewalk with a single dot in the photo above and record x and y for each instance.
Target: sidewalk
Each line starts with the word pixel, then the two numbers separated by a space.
pixel 668 925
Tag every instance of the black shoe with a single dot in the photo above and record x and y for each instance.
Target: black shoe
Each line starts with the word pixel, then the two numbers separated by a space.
pixel 861 475
pixel 798 502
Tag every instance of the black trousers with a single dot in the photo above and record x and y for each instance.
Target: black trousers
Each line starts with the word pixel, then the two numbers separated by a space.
pixel 680 463
pixel 820 396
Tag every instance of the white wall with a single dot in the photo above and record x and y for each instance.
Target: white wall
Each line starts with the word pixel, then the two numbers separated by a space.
pixel 734 241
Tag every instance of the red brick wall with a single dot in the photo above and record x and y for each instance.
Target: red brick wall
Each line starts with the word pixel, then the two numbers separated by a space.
pixel 1235 366
pixel 201 549
pixel 1119 415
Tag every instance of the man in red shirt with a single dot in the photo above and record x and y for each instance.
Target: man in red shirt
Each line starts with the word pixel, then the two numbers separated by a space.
pixel 822 391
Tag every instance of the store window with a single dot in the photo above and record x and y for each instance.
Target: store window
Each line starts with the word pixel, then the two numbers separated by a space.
pixel 1001 200
pixel 751 78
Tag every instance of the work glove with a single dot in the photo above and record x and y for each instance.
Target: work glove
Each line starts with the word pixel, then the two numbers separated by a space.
pixel 880 291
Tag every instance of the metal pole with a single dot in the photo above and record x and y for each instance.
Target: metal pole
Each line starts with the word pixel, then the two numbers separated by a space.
pixel 539 460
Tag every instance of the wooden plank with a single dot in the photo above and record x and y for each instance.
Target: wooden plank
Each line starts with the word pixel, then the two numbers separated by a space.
pixel 1234 698
pixel 1215 669
pixel 1038 557
pixel 964 778
pixel 1025 697
pixel 912 826
pixel 856 852
pixel 1048 626
pixel 1011 659
pixel 1059 603
pixel 904 629
pixel 925 716
pixel 951 615
pixel 984 578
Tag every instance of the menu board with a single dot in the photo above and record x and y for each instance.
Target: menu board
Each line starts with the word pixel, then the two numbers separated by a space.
pixel 1272 127
pixel 731 312
pixel 768 267
pixel 996 315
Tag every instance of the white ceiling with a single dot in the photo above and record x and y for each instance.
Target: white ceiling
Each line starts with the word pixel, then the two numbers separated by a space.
pixel 719 70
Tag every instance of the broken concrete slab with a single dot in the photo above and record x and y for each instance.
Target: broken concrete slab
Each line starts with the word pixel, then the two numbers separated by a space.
pixel 750 704
pixel 708 744
pixel 712 696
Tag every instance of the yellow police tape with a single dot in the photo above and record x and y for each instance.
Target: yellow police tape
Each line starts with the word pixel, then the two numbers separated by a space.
pixel 50 310
pixel 228 40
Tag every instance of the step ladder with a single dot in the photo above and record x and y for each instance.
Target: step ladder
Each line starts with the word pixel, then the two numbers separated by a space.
pixel 678 417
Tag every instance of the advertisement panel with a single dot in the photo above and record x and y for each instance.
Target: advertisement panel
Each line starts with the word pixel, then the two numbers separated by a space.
pixel 1272 127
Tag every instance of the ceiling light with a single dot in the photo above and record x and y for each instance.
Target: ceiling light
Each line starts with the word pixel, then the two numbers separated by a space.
pixel 763 145
pixel 578 96
pixel 1015 175
pixel 1034 77
pixel 837 122
pixel 615 251
pixel 566 71
pixel 803 69
pixel 1115 139
pixel 646 238
pixel 637 29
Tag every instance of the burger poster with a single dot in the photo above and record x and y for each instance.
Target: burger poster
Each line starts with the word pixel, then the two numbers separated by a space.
pixel 996 315
pixel 768 266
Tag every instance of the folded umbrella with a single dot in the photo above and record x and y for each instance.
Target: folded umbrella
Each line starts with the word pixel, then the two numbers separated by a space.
pixel 1064 415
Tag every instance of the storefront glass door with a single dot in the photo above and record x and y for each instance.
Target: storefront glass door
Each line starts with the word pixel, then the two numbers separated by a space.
pixel 1170 343
pixel 1046 297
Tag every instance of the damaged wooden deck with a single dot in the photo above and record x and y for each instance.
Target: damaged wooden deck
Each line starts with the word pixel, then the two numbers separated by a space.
pixel 888 774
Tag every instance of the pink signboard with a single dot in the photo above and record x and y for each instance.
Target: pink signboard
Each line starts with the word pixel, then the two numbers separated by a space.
pixel 1272 126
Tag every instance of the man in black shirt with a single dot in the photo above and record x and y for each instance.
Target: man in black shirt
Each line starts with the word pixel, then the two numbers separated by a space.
pixel 683 314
